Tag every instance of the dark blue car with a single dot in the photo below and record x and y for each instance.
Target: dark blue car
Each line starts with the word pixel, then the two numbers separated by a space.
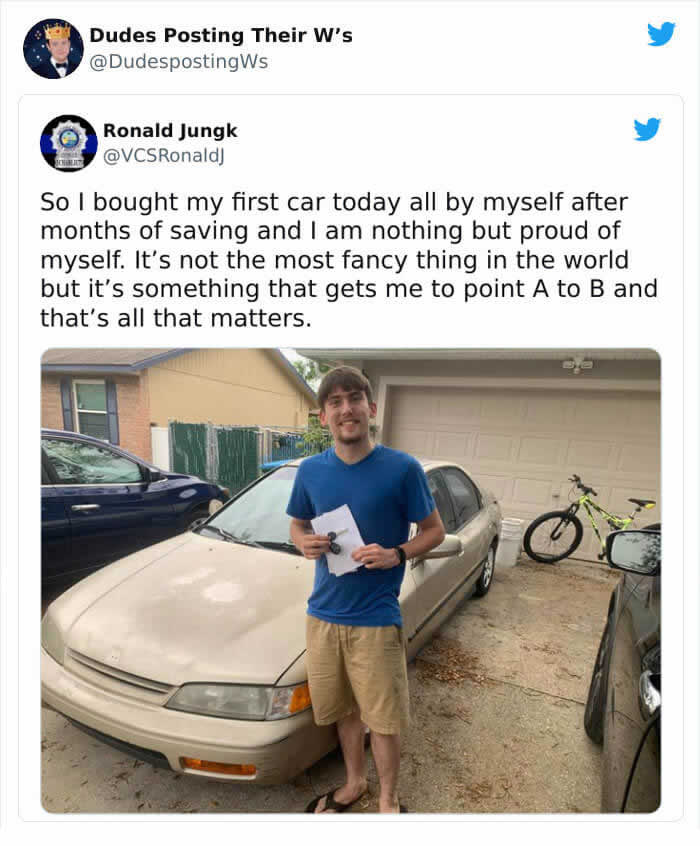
pixel 100 503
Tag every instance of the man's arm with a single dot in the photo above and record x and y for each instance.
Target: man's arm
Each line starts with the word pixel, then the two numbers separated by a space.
pixel 431 533
pixel 310 545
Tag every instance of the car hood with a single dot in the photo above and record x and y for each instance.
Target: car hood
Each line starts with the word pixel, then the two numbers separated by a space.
pixel 192 609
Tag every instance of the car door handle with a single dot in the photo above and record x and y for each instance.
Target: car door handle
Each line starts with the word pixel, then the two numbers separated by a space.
pixel 91 507
pixel 649 695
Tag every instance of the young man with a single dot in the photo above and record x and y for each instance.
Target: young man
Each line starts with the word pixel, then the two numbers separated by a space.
pixel 355 652
pixel 57 64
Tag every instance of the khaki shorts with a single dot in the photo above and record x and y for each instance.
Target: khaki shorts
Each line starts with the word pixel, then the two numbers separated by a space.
pixel 355 668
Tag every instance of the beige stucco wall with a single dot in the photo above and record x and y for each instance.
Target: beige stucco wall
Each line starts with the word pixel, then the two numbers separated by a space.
pixel 237 387
pixel 646 369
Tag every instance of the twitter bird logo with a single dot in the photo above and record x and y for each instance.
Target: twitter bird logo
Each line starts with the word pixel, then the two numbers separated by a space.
pixel 662 35
pixel 647 130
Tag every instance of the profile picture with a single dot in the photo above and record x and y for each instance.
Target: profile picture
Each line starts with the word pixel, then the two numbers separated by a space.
pixel 68 143
pixel 53 48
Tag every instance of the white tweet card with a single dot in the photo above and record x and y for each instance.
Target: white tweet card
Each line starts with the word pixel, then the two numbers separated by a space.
pixel 340 525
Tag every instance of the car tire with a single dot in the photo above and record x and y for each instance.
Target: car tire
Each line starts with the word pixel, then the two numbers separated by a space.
pixel 195 518
pixel 594 714
pixel 483 584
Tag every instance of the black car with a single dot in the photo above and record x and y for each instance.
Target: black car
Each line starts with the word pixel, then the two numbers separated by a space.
pixel 623 710
pixel 100 503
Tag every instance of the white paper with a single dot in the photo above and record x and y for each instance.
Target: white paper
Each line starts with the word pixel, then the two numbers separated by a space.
pixel 340 520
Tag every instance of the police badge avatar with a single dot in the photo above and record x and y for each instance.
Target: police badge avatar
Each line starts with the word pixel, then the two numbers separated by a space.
pixel 68 143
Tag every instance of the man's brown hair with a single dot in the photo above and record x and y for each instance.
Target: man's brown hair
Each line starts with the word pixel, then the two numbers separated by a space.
pixel 345 377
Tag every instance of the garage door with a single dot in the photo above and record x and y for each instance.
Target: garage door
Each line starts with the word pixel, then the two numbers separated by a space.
pixel 524 444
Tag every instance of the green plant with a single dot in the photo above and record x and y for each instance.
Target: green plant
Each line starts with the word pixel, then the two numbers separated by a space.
pixel 315 438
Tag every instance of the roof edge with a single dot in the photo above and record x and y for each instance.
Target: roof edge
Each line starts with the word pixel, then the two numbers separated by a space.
pixel 294 373
pixel 116 368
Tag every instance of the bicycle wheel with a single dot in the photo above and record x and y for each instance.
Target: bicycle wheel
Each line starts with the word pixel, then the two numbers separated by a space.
pixel 553 536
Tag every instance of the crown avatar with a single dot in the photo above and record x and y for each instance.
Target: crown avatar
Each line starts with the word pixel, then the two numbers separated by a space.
pixel 56 31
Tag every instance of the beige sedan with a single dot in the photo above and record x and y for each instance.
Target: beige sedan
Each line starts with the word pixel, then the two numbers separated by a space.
pixel 190 654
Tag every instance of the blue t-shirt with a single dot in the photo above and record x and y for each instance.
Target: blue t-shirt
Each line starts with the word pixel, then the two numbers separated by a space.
pixel 386 492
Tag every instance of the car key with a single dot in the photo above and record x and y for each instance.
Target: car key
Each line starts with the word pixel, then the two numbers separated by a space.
pixel 335 548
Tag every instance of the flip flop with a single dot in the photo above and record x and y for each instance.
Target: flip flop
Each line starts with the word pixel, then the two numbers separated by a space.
pixel 331 803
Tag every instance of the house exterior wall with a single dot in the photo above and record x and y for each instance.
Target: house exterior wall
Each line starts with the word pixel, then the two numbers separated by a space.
pixel 132 408
pixel 134 414
pixel 639 370
pixel 51 413
pixel 243 387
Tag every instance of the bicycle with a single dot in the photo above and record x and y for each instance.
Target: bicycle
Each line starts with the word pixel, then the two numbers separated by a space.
pixel 557 534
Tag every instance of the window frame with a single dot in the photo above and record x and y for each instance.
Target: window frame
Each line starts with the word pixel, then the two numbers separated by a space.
pixel 77 410
pixel 56 482
pixel 477 490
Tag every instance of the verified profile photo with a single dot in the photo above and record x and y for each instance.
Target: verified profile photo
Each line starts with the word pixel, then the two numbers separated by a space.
pixel 68 143
pixel 53 48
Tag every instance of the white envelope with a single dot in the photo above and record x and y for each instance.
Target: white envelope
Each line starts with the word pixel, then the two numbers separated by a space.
pixel 340 520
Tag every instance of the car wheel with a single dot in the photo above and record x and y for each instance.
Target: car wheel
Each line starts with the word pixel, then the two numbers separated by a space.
pixel 195 518
pixel 481 588
pixel 594 715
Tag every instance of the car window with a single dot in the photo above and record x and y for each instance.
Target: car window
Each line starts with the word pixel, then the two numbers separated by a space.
pixel 464 494
pixel 442 501
pixel 260 514
pixel 81 463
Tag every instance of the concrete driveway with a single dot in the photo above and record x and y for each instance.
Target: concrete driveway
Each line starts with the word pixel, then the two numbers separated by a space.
pixel 497 704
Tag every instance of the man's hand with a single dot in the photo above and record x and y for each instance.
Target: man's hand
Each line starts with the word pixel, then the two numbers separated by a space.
pixel 314 546
pixel 375 557
pixel 310 545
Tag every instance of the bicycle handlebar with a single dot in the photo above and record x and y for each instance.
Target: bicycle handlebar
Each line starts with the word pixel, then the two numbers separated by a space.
pixel 579 484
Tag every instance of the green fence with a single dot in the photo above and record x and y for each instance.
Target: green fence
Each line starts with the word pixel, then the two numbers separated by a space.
pixel 232 456
pixel 226 455
pixel 188 449
pixel 237 454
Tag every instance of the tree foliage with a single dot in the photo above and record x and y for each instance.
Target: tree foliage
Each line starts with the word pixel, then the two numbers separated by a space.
pixel 311 371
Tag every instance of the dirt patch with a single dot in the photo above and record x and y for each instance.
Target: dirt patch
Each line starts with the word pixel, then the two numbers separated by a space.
pixel 476 792
pixel 547 648
pixel 445 660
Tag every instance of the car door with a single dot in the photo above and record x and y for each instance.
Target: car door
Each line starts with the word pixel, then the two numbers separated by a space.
pixel 473 521
pixel 632 732
pixel 107 498
pixel 429 577
pixel 55 527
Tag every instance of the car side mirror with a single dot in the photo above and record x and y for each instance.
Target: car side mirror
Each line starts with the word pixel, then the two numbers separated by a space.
pixel 153 475
pixel 635 551
pixel 451 545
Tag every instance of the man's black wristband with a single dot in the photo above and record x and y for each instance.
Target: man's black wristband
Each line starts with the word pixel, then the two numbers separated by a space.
pixel 402 555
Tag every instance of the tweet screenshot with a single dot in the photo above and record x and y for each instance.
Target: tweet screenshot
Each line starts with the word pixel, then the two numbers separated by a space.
pixel 360 340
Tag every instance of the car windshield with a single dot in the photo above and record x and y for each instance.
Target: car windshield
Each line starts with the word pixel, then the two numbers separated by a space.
pixel 258 516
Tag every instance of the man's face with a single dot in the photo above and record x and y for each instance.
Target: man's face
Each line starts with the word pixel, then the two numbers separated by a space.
pixel 59 48
pixel 347 414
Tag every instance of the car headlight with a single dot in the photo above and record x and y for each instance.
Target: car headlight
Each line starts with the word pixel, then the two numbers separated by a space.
pixel 51 638
pixel 241 702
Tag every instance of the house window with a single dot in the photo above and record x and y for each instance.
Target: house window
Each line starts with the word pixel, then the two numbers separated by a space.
pixel 90 402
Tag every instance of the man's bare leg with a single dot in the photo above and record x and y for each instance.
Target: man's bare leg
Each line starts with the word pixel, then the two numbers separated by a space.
pixel 386 749
pixel 351 731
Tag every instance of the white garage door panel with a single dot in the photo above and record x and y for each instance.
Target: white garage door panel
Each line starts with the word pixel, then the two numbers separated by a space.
pixel 524 444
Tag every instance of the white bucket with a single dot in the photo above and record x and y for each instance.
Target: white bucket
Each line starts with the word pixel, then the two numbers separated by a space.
pixel 509 542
